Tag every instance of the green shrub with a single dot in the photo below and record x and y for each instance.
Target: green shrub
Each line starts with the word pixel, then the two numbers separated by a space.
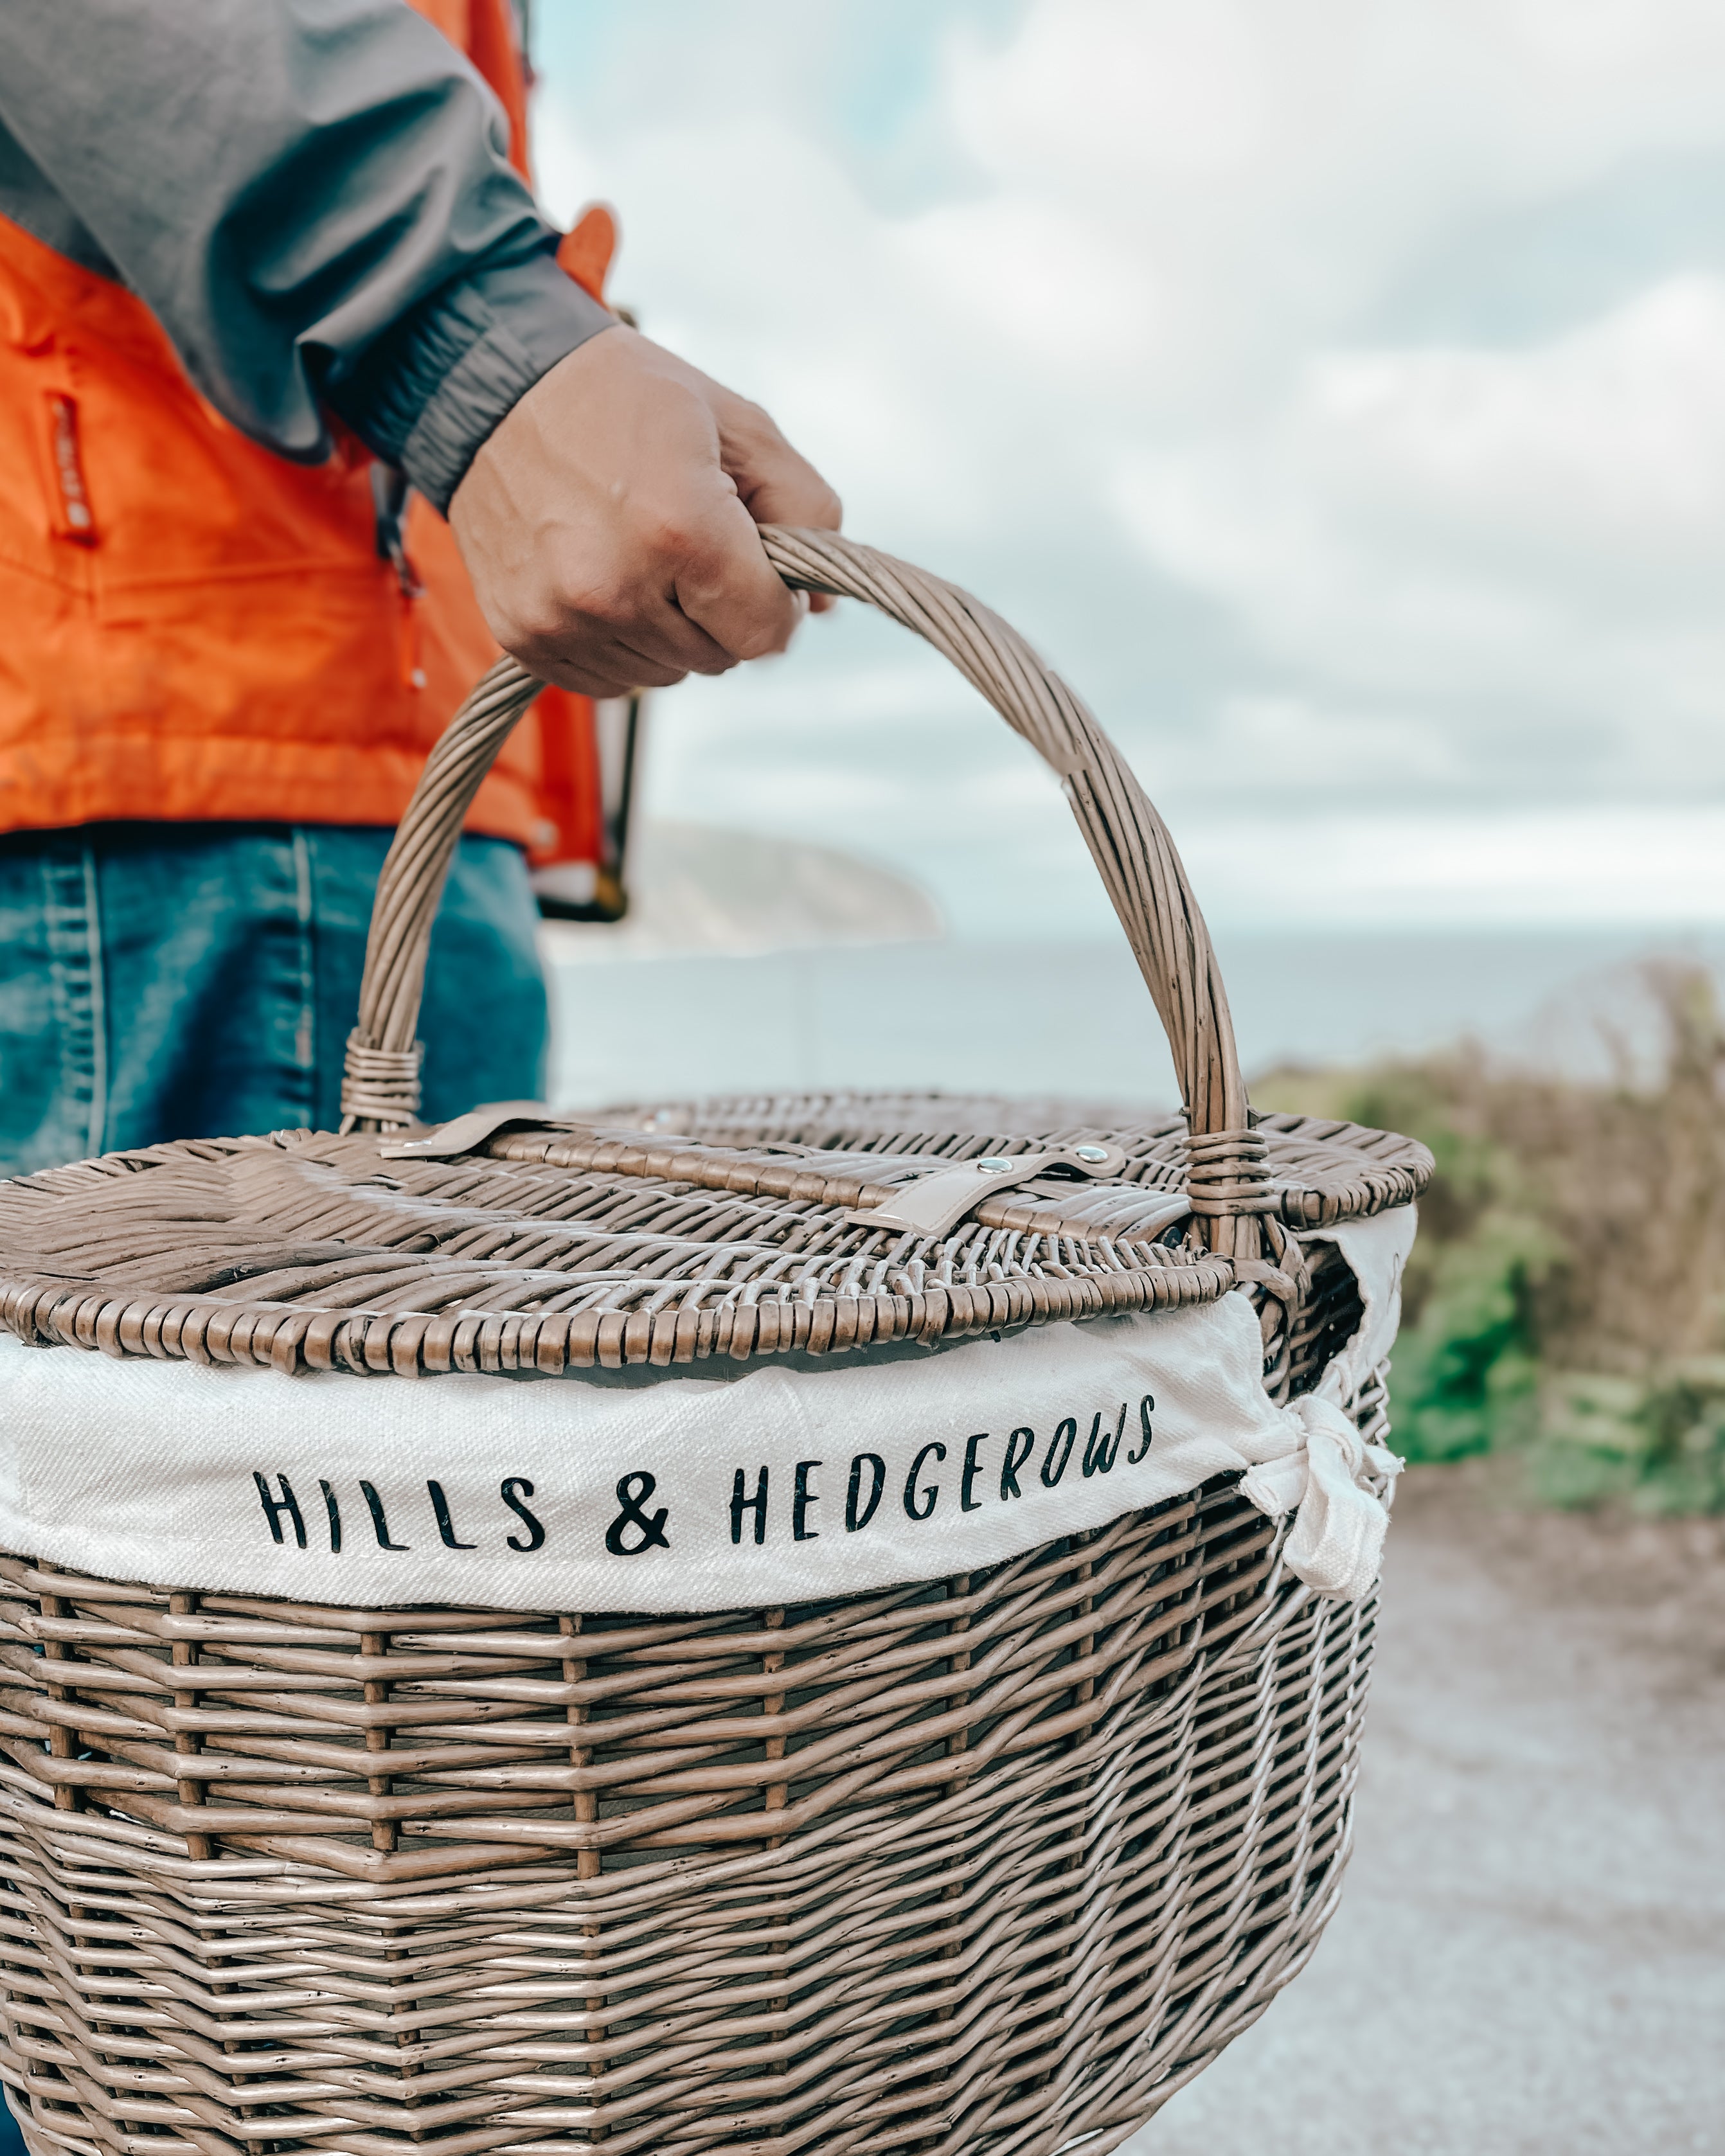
pixel 1658 1445
pixel 1466 1372
pixel 1566 1297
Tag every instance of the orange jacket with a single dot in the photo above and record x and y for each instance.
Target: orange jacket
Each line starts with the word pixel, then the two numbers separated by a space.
pixel 198 629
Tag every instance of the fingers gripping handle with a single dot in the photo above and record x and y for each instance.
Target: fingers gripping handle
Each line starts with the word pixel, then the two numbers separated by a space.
pixel 1127 840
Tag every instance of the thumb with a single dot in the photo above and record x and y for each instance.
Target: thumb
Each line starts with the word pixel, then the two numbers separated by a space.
pixel 726 586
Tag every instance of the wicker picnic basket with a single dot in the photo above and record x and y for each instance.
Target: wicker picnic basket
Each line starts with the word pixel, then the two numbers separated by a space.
pixel 563 1750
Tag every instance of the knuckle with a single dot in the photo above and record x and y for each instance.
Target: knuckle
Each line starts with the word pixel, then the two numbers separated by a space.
pixel 757 639
pixel 675 544
pixel 610 601
pixel 740 414
pixel 600 587
pixel 559 601
pixel 685 543
pixel 529 615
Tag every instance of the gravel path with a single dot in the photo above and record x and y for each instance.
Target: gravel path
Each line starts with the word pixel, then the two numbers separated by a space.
pixel 1529 1958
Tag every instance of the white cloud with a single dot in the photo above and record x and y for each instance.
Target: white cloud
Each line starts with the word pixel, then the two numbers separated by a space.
pixel 1537 532
pixel 1140 369
pixel 1528 869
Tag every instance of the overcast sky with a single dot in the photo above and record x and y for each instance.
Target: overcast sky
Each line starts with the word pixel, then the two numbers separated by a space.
pixel 1335 392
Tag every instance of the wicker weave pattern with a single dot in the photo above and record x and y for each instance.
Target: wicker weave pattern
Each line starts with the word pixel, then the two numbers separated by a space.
pixel 310 1252
pixel 553 1250
pixel 1319 1172
pixel 988 1866
pixel 980 1866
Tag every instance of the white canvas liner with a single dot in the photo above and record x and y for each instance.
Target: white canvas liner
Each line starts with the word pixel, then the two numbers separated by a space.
pixel 783 1481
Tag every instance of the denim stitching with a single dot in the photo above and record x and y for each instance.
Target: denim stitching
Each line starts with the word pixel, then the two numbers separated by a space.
pixel 305 1032
pixel 97 1007
pixel 70 904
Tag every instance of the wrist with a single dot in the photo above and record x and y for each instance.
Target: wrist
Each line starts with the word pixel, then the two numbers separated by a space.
pixel 433 390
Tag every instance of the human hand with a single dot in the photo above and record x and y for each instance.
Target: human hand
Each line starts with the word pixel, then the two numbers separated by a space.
pixel 609 523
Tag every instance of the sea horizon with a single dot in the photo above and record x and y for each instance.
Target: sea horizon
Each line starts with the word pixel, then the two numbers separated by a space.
pixel 1073 1016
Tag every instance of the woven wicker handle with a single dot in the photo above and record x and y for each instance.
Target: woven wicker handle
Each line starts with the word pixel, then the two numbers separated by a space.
pixel 1127 840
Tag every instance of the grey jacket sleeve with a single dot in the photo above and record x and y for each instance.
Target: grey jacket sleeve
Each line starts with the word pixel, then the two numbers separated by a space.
pixel 314 198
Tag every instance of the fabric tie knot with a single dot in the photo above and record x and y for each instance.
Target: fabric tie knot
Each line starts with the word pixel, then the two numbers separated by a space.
pixel 1325 1479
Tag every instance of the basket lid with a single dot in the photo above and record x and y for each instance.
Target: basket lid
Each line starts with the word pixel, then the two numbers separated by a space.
pixel 547 1245
pixel 510 1240
pixel 1318 1171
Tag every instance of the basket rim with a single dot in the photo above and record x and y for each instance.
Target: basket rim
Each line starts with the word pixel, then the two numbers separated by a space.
pixel 312 1250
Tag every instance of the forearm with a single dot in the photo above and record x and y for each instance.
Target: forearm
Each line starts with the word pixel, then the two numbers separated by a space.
pixel 314 198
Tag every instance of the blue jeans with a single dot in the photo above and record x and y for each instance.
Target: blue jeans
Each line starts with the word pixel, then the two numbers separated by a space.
pixel 198 980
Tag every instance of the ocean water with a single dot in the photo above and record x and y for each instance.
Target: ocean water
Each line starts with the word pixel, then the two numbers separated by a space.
pixel 1075 1017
